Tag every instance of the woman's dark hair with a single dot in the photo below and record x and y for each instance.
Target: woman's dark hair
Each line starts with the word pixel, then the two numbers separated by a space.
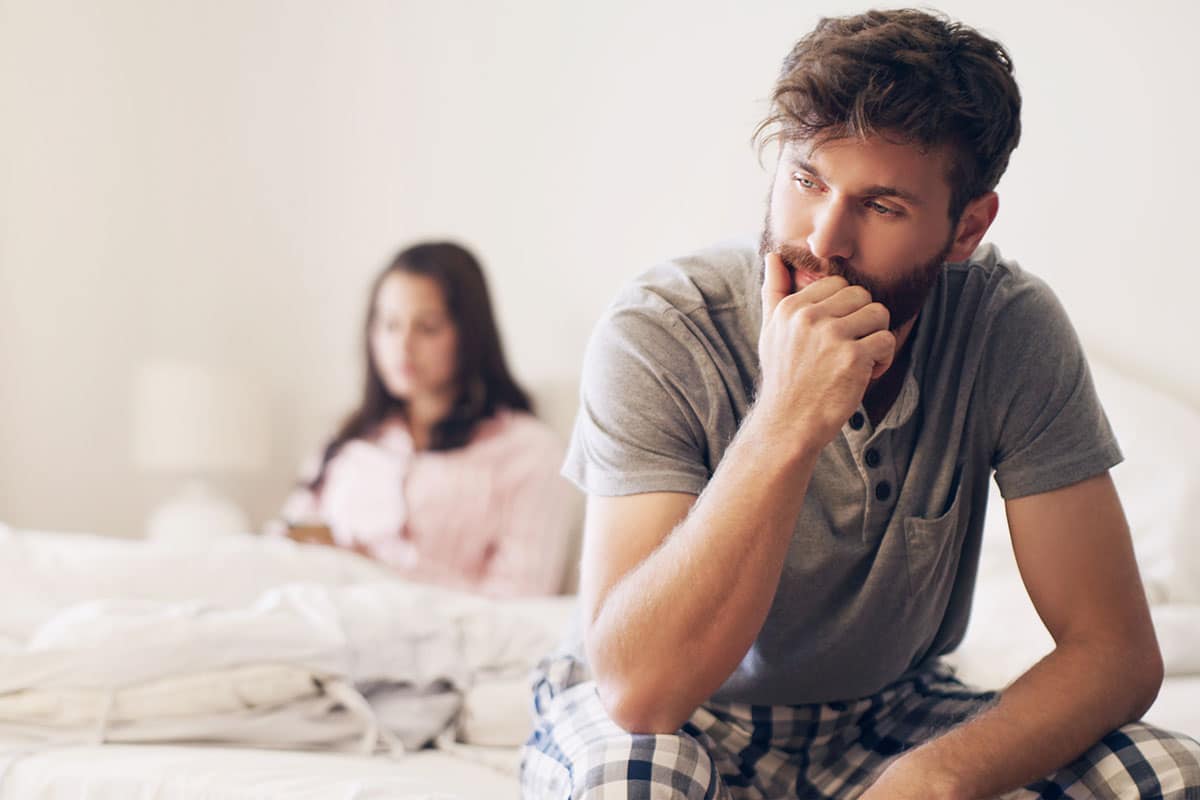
pixel 483 380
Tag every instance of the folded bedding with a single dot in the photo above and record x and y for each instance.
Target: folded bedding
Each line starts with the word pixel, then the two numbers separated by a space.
pixel 183 648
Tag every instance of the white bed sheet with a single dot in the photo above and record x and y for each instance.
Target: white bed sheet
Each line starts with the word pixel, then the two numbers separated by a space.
pixel 138 660
pixel 176 772
pixel 1178 705
pixel 58 577
pixel 172 772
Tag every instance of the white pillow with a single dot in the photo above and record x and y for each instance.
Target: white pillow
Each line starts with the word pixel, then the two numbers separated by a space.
pixel 1159 485
pixel 1159 481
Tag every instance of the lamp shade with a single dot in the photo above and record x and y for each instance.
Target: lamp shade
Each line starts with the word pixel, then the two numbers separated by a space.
pixel 193 418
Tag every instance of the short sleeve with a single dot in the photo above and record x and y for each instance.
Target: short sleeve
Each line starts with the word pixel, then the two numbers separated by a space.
pixel 642 397
pixel 1049 427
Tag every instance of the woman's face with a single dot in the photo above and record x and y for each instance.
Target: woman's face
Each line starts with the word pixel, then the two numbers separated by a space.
pixel 413 338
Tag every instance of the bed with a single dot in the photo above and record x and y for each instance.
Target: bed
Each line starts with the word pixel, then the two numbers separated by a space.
pixel 248 667
pixel 254 667
pixel 164 772
pixel 1159 484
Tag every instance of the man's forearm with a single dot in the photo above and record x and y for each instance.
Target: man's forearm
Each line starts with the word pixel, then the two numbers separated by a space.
pixel 1047 718
pixel 671 631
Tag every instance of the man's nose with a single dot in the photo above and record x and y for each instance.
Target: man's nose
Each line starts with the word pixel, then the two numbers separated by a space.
pixel 833 232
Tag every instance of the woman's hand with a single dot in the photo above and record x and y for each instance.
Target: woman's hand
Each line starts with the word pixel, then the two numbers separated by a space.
pixel 321 534
pixel 313 533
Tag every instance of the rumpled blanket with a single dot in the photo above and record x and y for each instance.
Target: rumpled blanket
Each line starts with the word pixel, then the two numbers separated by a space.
pixel 244 640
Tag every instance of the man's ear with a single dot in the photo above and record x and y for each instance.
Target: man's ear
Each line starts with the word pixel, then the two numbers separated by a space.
pixel 972 225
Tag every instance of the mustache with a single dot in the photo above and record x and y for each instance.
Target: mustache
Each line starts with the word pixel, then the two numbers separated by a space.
pixel 801 258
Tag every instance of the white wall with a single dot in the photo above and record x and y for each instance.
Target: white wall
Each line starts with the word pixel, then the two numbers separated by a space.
pixel 218 181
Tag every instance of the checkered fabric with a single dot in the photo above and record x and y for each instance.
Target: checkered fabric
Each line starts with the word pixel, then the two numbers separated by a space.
pixel 747 752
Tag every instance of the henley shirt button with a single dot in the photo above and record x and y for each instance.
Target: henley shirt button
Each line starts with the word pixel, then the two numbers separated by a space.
pixel 872 457
pixel 883 490
pixel 857 421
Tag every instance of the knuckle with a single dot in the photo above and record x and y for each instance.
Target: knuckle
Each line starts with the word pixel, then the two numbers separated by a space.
pixel 858 293
pixel 789 303
pixel 807 315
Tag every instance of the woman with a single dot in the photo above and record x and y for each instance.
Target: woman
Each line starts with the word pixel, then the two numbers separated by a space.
pixel 442 472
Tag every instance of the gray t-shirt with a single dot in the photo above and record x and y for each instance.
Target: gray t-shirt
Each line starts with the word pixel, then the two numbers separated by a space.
pixel 881 568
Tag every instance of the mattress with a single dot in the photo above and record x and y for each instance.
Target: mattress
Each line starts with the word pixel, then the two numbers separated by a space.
pixel 1178 705
pixel 122 772
pixel 161 772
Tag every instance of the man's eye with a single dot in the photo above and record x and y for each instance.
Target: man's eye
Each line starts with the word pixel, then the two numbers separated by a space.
pixel 881 209
pixel 807 183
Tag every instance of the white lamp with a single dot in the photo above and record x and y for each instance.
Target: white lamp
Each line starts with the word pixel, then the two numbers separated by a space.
pixel 196 421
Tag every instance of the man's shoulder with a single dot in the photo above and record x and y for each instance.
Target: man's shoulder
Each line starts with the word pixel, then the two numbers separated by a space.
pixel 695 317
pixel 988 289
pixel 717 279
pixel 988 271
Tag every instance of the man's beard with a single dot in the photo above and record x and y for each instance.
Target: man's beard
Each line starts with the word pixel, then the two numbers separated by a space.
pixel 903 297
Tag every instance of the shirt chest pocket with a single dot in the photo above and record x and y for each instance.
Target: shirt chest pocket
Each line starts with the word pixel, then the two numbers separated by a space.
pixel 934 548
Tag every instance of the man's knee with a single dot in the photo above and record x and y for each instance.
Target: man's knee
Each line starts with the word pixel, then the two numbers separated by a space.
pixel 1176 761
pixel 1132 762
pixel 1157 763
pixel 649 767
pixel 674 767
pixel 577 751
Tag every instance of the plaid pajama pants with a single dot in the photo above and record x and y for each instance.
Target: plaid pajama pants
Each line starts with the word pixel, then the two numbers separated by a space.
pixel 746 752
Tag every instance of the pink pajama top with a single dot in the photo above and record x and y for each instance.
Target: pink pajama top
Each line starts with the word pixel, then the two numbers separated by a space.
pixel 493 516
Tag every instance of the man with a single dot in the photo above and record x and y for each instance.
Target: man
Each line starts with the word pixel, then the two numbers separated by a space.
pixel 787 455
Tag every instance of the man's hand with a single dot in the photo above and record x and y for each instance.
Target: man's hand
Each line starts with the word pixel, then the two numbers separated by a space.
pixel 819 349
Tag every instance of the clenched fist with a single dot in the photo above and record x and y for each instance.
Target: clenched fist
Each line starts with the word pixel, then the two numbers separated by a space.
pixel 819 349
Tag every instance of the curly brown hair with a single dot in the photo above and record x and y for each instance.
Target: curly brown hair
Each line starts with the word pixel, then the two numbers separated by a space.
pixel 910 76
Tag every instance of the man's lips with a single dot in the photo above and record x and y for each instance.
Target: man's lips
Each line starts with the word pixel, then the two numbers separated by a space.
pixel 802 277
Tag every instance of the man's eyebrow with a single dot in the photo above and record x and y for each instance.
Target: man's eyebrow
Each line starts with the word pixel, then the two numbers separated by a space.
pixel 878 190
pixel 892 191
pixel 800 163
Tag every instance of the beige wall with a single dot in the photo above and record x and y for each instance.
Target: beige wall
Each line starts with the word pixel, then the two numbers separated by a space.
pixel 217 181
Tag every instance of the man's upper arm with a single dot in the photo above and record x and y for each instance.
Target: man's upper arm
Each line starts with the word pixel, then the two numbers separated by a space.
pixel 638 445
pixel 1049 429
pixel 1076 558
pixel 619 534
pixel 643 402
